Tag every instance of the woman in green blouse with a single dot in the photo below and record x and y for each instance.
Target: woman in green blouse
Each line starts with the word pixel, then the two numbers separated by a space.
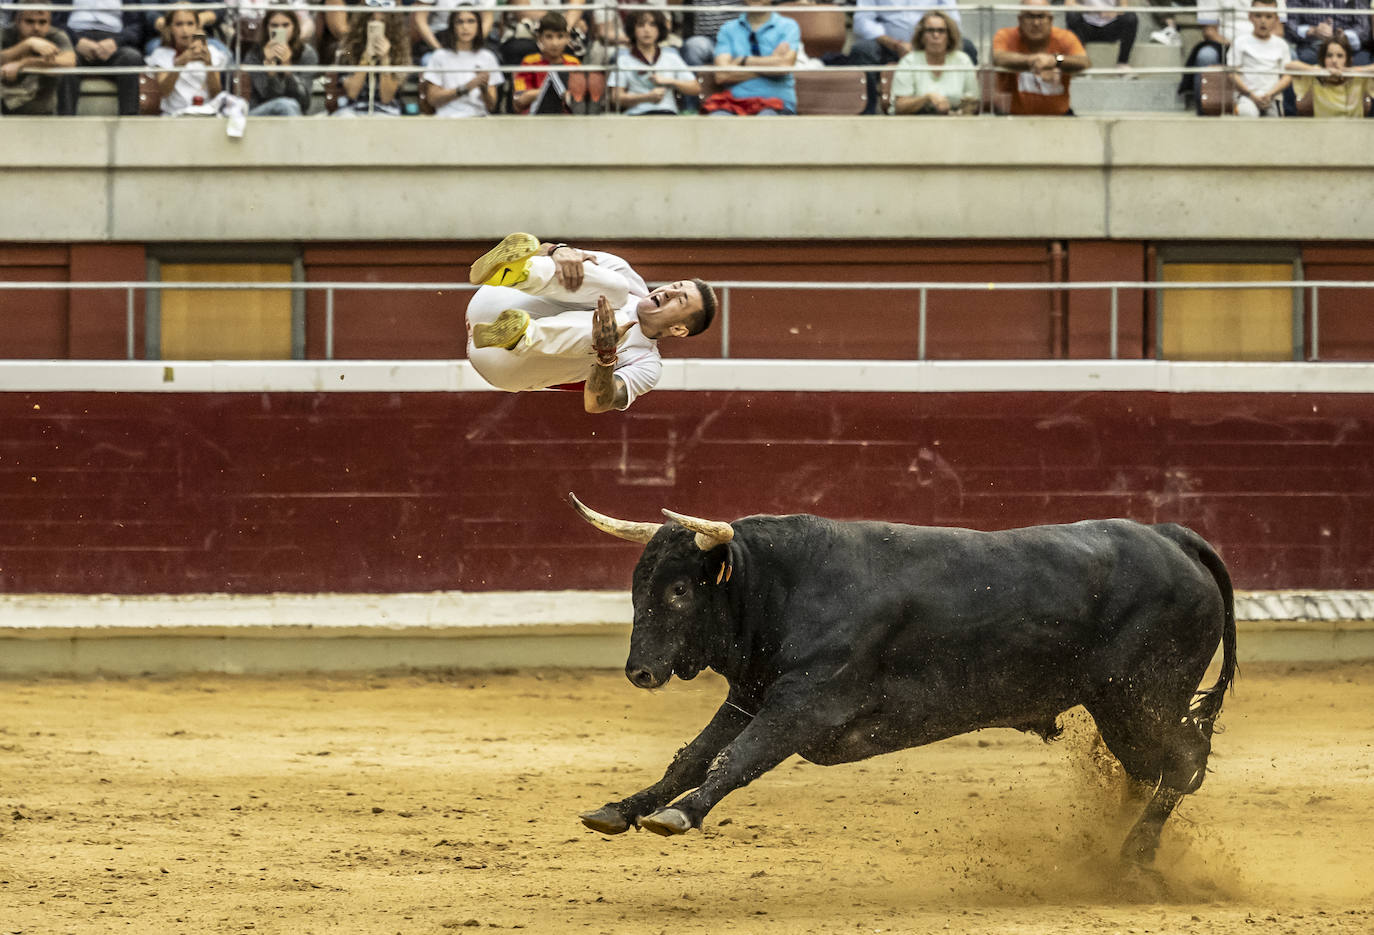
pixel 931 79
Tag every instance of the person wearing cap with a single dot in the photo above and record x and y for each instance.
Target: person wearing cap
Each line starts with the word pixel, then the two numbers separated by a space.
pixel 550 315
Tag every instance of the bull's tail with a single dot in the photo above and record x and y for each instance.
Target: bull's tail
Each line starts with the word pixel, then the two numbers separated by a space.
pixel 1207 705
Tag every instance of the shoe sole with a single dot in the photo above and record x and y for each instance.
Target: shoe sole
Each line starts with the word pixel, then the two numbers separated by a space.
pixel 513 249
pixel 505 332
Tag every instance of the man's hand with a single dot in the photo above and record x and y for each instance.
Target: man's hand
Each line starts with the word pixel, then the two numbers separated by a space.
pixel 1042 64
pixel 605 338
pixel 9 72
pixel 567 263
pixel 1321 31
pixel 105 48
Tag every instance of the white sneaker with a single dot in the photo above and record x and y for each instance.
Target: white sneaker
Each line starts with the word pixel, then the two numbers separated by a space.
pixel 1167 36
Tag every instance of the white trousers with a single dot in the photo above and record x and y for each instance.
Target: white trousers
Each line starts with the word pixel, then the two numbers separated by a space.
pixel 557 347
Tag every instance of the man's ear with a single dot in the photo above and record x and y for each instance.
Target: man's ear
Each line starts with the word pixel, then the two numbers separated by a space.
pixel 678 330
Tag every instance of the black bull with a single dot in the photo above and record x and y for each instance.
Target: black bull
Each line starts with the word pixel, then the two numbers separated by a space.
pixel 841 641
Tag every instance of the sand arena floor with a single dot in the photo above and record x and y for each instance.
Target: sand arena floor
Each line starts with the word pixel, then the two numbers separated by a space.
pixel 418 803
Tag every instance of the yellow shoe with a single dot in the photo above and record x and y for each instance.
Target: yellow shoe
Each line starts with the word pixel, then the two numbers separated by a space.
pixel 507 263
pixel 505 332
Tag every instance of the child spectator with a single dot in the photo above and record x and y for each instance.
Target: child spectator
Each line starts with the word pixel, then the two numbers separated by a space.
pixel 464 75
pixel 915 91
pixel 759 38
pixel 26 48
pixel 1312 22
pixel 102 34
pixel 1337 93
pixel 376 36
pixel 280 93
pixel 636 91
pixel 552 39
pixel 1222 21
pixel 1257 56
pixel 1044 55
pixel 185 45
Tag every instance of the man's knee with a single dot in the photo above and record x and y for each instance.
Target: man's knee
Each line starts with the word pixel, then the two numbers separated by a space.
pixel 698 51
pixel 865 52
pixel 125 56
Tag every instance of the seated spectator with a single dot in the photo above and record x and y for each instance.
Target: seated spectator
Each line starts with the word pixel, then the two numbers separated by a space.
pixel 27 48
pixel 551 36
pixel 760 38
pixel 700 29
pixel 464 76
pixel 377 35
pixel 1332 89
pixel 431 26
pixel 245 21
pixel 184 45
pixel 280 93
pixel 1256 57
pixel 103 35
pixel 1312 22
pixel 935 92
pixel 1044 57
pixel 520 26
pixel 882 36
pixel 1101 21
pixel 635 91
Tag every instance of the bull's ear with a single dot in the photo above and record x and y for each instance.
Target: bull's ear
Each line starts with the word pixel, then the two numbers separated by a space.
pixel 709 532
pixel 621 529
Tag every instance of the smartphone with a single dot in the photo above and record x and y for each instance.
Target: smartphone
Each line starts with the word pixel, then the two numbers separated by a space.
pixel 281 34
pixel 376 30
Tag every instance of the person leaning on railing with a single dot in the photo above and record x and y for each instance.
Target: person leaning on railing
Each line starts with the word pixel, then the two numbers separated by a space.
pixel 27 47
pixel 952 91
pixel 1334 88
pixel 280 93
pixel 1312 22
pixel 465 76
pixel 186 46
pixel 636 91
pixel 377 35
pixel 1044 57
pixel 103 35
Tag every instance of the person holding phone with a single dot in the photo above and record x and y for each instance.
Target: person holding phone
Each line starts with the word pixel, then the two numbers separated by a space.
pixel 376 36
pixel 186 46
pixel 280 93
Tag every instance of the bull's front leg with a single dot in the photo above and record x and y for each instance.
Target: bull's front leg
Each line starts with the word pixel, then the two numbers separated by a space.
pixel 686 771
pixel 774 734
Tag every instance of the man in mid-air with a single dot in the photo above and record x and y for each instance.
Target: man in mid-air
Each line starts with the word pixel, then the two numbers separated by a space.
pixel 548 315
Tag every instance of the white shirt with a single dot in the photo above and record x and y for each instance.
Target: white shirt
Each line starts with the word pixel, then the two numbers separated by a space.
pixel 191 82
pixel 95 16
pixel 1108 8
pixel 1257 57
pixel 468 63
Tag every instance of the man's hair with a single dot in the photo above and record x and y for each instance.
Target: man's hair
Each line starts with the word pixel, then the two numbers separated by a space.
pixel 1272 3
pixel 702 318
pixel 552 21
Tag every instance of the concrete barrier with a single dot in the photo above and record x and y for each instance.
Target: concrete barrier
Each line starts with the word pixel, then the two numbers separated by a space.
pixel 263 634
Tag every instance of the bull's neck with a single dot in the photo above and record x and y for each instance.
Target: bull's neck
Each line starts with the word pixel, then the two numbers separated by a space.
pixel 746 637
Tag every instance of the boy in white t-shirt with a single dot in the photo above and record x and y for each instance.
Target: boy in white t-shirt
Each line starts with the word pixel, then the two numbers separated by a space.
pixel 1259 56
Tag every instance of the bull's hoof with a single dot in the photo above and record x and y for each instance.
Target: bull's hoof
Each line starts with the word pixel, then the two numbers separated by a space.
pixel 666 821
pixel 606 820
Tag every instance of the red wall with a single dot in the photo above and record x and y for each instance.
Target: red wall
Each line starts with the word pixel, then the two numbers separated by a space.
pixel 258 492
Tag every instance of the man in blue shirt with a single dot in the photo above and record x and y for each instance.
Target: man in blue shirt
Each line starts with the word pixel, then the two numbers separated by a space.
pixel 758 39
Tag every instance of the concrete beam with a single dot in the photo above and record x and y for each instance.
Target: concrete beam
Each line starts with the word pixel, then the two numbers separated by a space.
pixel 150 179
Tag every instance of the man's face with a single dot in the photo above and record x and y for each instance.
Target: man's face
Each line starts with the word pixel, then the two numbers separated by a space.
pixel 1035 24
pixel 1264 20
pixel 666 311
pixel 34 23
pixel 553 44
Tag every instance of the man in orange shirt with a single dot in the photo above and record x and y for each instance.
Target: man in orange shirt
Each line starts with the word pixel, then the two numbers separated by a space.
pixel 1043 58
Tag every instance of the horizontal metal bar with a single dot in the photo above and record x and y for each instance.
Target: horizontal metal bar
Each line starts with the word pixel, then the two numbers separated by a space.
pixel 763 285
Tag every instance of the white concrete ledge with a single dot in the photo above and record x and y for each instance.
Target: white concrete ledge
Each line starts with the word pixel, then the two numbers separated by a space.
pixel 857 376
pixel 167 634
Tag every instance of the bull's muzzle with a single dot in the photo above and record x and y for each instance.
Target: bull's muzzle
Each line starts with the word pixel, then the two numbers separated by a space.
pixel 641 677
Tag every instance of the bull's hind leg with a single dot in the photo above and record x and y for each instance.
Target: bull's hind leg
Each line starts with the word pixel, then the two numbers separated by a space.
pixel 1167 752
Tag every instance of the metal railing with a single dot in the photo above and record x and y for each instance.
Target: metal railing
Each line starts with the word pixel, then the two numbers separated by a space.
pixel 981 15
pixel 1300 289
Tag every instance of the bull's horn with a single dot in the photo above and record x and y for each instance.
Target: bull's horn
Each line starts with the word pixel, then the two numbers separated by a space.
pixel 620 528
pixel 709 532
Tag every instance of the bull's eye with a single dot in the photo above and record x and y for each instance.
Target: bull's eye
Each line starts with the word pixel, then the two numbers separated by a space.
pixel 679 590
